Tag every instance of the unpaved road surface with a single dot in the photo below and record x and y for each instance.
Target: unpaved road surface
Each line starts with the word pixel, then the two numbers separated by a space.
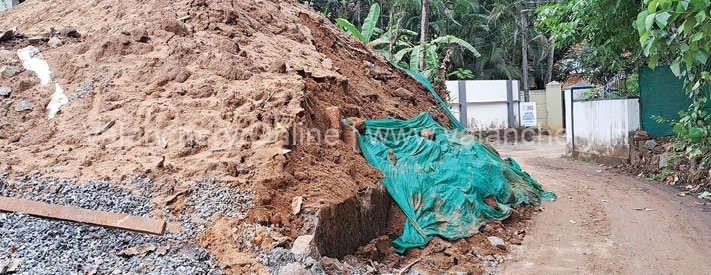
pixel 604 222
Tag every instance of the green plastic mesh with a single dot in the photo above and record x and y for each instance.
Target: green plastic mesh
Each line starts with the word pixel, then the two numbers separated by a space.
pixel 441 184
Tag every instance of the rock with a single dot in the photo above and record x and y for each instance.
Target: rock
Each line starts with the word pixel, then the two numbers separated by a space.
pixel 37 39
pixel 10 266
pixel 140 35
pixel 304 246
pixel 278 67
pixel 296 203
pixel 641 136
pixel 175 26
pixel 58 100
pixel 23 106
pixel 7 35
pixel 650 144
pixel 663 158
pixel 333 114
pixel 7 57
pixel 491 202
pixel 54 42
pixel 442 261
pixel 428 134
pixel 357 123
pixel 496 241
pixel 437 245
pixel 350 138
pixel 333 266
pixel 138 250
pixel 293 269
pixel 182 76
pixel 5 91
pixel 9 71
pixel 69 32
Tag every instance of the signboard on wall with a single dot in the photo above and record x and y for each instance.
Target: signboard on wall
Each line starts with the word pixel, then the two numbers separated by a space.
pixel 528 114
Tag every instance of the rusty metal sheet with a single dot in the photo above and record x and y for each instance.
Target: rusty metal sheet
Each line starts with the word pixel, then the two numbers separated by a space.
pixel 94 217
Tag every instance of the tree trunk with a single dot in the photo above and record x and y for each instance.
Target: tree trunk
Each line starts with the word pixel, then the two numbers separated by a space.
pixel 524 55
pixel 424 24
pixel 551 59
pixel 394 35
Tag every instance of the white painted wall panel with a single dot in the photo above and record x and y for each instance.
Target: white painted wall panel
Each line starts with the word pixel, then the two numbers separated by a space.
pixel 453 91
pixel 486 103
pixel 601 127
pixel 487 115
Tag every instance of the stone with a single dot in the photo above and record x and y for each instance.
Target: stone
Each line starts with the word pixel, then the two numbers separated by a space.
pixel 296 203
pixel 333 114
pixel 278 67
pixel 663 158
pixel 7 35
pixel 293 269
pixel 650 144
pixel 5 91
pixel 10 266
pixel 442 261
pixel 23 106
pixel 54 42
pixel 9 71
pixel 37 39
pixel 304 246
pixel 641 136
pixel 437 245
pixel 175 26
pixel 58 100
pixel 643 150
pixel 69 32
pixel 137 250
pixel 497 242
pixel 140 35
pixel 428 134
pixel 333 266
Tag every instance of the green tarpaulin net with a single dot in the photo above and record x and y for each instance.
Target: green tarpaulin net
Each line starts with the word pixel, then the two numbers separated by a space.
pixel 441 182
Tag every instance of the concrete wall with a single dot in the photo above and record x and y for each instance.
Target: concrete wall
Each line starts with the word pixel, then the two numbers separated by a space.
pixel 7 4
pixel 554 108
pixel 486 101
pixel 600 128
pixel 539 97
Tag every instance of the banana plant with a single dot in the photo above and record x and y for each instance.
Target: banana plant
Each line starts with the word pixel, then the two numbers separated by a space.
pixel 431 53
pixel 369 25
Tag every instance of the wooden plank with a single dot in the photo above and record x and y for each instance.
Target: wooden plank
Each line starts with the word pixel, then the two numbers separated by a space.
pixel 74 214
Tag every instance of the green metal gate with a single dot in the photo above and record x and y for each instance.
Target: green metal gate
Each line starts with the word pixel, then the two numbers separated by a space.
pixel 661 94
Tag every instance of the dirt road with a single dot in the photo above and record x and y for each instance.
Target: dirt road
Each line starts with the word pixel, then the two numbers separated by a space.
pixel 604 222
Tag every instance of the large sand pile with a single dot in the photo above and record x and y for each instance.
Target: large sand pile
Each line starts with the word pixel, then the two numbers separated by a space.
pixel 242 91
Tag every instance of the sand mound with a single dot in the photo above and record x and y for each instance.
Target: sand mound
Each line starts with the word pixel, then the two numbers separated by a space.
pixel 242 91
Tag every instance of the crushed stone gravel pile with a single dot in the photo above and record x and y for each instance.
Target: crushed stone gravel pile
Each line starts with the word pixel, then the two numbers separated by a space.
pixel 51 246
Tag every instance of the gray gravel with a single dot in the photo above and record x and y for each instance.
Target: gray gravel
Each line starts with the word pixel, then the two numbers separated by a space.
pixel 23 106
pixel 5 91
pixel 58 247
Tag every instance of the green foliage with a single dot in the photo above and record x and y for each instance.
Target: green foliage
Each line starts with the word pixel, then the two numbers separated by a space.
pixel 406 50
pixel 370 21
pixel 598 34
pixel 432 51
pixel 368 28
pixel 462 74
pixel 679 32
pixel 630 86
pixel 492 27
